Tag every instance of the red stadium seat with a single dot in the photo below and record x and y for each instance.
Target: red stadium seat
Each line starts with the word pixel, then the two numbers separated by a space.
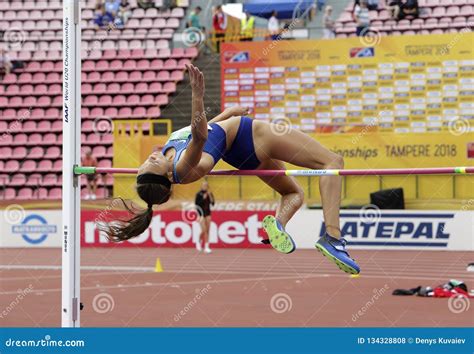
pixel 19 153
pixel 36 153
pixel 9 194
pixel 55 193
pixel 33 180
pixel 53 152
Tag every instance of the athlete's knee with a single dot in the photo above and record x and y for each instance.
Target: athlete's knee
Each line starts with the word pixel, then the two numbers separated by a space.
pixel 336 162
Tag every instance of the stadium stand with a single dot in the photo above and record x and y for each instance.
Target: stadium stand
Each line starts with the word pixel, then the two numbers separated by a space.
pixel 436 17
pixel 126 74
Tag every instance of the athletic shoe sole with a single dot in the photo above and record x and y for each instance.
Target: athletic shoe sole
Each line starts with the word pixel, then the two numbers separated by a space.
pixel 342 266
pixel 279 240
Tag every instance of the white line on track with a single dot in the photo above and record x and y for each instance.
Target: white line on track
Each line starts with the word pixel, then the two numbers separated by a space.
pixel 222 281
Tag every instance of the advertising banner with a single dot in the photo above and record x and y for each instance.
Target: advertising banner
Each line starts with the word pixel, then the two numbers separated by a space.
pixel 30 228
pixel 363 229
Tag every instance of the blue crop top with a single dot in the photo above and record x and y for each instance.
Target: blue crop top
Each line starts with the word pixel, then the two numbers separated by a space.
pixel 241 154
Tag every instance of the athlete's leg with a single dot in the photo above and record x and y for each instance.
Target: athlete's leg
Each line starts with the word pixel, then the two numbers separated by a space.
pixel 291 193
pixel 300 149
pixel 207 224
pixel 291 200
pixel 207 248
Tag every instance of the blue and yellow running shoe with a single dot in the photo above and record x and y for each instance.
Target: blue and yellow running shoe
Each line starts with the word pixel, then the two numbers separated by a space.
pixel 277 236
pixel 335 250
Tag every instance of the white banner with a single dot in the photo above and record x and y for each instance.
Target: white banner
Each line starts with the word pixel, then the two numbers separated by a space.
pixel 363 229
pixel 30 228
pixel 372 228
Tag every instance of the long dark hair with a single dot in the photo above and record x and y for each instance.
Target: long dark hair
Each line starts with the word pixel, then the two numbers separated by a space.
pixel 151 193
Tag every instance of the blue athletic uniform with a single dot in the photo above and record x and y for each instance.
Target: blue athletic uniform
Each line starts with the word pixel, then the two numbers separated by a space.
pixel 241 154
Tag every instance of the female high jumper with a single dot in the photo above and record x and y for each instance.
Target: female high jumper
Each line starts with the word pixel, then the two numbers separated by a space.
pixel 192 152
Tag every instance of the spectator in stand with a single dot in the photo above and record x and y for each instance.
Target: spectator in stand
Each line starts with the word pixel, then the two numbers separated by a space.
pixel 146 4
pixel 362 18
pixel 89 160
pixel 102 17
pixel 204 200
pixel 328 22
pixel 320 4
pixel 168 4
pixel 124 13
pixel 404 8
pixel 371 5
pixel 219 24
pixel 112 7
pixel 6 65
pixel 274 26
pixel 247 24
pixel 193 19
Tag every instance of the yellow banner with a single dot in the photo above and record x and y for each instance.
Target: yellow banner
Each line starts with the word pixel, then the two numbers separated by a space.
pixel 396 84
pixel 390 150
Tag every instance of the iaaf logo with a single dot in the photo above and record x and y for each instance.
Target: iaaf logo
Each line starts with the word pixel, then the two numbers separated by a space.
pixel 178 232
pixel 395 229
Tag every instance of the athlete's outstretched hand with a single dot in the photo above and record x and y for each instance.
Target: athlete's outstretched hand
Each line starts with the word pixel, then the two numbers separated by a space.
pixel 197 80
pixel 239 110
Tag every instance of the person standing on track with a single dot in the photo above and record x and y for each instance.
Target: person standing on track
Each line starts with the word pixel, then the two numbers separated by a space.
pixel 204 200
pixel 246 144
pixel 89 160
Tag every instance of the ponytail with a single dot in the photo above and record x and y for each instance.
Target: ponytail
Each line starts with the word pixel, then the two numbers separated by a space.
pixel 122 230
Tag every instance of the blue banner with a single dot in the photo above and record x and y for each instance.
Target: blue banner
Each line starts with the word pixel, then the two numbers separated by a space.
pixel 237 340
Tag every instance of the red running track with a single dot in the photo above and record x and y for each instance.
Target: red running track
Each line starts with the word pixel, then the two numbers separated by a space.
pixel 233 287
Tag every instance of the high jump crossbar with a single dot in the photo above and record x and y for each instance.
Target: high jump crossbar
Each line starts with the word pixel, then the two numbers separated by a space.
pixel 87 170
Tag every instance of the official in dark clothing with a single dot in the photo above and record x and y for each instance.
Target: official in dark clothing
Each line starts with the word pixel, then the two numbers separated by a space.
pixel 204 200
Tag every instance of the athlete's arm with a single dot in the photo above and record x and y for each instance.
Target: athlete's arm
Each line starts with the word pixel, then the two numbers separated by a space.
pixel 186 167
pixel 230 112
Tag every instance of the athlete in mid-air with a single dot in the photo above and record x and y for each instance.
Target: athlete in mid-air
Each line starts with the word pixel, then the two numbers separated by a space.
pixel 247 144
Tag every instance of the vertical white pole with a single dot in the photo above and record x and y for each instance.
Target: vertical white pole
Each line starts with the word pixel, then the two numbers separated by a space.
pixel 71 156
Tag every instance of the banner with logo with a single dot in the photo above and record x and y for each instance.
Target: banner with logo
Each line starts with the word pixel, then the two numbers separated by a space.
pixel 402 84
pixel 364 229
pixel 30 228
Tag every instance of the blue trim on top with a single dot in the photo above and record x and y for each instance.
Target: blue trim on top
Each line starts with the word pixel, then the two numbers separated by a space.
pixel 403 216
